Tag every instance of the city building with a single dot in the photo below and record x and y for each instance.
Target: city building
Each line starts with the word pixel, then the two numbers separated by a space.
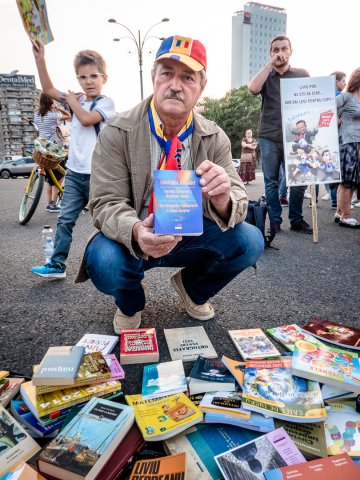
pixel 252 31
pixel 18 98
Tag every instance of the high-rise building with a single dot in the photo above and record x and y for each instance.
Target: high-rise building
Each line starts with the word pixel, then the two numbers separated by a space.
pixel 252 31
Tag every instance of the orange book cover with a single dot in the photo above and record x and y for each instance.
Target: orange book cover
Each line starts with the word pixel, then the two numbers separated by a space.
pixel 23 471
pixel 160 468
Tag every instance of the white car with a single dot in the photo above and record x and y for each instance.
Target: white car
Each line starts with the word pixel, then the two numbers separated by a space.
pixel 17 168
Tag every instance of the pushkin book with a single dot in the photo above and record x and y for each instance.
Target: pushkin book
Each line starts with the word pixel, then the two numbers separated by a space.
pixel 84 445
pixel 334 366
pixel 177 203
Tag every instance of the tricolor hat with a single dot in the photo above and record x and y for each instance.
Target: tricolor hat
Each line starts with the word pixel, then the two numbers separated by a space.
pixel 185 50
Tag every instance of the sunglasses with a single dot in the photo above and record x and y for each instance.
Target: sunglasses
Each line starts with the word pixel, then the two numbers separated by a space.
pixel 92 76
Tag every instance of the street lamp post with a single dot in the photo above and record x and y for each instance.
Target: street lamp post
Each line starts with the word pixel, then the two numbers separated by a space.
pixel 139 46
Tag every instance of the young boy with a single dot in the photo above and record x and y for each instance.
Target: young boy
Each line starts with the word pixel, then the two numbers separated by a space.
pixel 89 111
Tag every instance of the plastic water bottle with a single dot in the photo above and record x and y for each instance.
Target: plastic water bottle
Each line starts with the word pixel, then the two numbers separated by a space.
pixel 47 242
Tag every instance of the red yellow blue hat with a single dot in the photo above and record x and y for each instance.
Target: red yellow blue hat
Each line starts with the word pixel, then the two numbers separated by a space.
pixel 185 50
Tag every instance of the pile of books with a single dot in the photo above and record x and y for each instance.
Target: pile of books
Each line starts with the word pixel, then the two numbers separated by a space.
pixel 266 415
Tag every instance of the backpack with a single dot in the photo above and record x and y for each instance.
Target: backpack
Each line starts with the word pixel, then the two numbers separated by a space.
pixel 257 214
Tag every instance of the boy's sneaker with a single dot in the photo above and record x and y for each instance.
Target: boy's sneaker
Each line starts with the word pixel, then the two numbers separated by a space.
pixel 284 202
pixel 50 270
pixel 53 208
pixel 327 196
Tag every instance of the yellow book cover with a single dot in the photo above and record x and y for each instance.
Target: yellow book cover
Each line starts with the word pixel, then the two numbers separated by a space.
pixel 161 418
pixel 35 19
pixel 93 369
pixel 172 466
pixel 46 403
pixel 3 374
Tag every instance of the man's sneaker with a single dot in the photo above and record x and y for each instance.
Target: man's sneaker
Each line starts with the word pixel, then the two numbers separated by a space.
pixel 284 202
pixel 199 312
pixel 327 196
pixel 53 208
pixel 302 226
pixel 122 321
pixel 50 270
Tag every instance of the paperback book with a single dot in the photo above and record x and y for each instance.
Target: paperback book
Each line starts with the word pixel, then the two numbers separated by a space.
pixel 163 379
pixel 208 375
pixel 35 20
pixel 117 372
pixel 93 369
pixel 257 422
pixel 22 471
pixel 171 467
pixel 59 366
pixel 288 335
pixel 4 383
pixel 177 203
pixel 15 444
pixel 225 403
pixel 21 412
pixel 11 391
pixel 236 367
pixel 202 442
pixel 4 374
pixel 253 343
pixel 252 459
pixel 138 346
pixel 188 343
pixel 334 366
pixel 94 342
pixel 46 403
pixel 164 417
pixel 330 468
pixel 271 389
pixel 337 333
pixel 342 429
pixel 78 453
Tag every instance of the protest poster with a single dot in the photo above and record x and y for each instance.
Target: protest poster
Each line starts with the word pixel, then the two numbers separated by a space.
pixel 310 131
pixel 35 20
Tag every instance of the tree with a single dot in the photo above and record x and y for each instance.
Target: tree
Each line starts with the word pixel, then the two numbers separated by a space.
pixel 237 111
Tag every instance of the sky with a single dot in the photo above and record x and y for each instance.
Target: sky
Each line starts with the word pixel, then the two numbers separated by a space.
pixel 324 39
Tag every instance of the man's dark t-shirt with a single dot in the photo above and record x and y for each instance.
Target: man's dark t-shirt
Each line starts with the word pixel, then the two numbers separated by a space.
pixel 270 123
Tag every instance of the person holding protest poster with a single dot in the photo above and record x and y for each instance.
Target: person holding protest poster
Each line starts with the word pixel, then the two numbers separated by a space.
pixel 267 83
pixel 348 110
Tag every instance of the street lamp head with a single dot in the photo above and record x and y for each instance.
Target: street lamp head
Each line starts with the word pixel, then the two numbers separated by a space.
pixel 112 20
pixel 116 39
pixel 165 20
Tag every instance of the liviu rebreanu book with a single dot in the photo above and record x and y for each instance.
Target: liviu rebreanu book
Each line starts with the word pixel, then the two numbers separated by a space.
pixel 171 467
pixel 84 445
pixel 337 333
pixel 138 345
pixel 253 343
pixel 188 343
pixel 330 365
pixel 270 388
pixel 177 203
pixel 252 459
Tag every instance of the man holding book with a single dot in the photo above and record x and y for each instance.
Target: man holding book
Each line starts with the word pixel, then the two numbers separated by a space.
pixel 164 132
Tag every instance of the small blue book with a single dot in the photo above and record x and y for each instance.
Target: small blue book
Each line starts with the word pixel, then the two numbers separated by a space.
pixel 162 379
pixel 177 203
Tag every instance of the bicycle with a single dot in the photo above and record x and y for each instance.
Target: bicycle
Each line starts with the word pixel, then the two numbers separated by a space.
pixel 35 183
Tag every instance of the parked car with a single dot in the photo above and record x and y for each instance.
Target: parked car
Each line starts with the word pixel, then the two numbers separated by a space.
pixel 17 168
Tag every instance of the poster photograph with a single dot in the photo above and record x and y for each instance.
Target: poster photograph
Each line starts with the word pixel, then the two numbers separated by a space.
pixel 35 20
pixel 310 130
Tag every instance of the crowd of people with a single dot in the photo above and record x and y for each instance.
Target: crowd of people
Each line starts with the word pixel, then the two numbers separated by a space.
pixel 112 158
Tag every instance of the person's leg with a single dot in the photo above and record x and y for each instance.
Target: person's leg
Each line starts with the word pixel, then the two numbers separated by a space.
pixel 344 201
pixel 76 196
pixel 295 204
pixel 272 156
pixel 282 184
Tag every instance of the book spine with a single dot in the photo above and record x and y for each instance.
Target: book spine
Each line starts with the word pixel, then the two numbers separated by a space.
pixel 80 382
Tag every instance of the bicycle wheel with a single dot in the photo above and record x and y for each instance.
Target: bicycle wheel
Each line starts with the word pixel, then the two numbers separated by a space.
pixel 33 191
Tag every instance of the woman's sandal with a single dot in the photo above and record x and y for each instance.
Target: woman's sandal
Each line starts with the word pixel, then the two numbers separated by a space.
pixel 349 222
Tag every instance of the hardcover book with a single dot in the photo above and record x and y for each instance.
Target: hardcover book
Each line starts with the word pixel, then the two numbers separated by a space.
pixel 22 471
pixel 177 203
pixel 138 346
pixel 93 369
pixel 252 459
pixel 337 333
pixel 11 391
pixel 271 389
pixel 164 468
pixel 59 366
pixel 236 367
pixel 47 403
pixel 188 343
pixel 164 417
pixel 330 468
pixel 334 366
pixel 85 444
pixel 94 342
pixel 208 375
pixel 342 429
pixel 287 335
pixel 163 379
pixel 202 442
pixel 308 437
pixel 253 343
pixel 15 444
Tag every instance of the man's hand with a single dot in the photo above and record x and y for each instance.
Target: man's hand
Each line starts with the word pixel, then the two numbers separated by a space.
pixel 216 186
pixel 153 245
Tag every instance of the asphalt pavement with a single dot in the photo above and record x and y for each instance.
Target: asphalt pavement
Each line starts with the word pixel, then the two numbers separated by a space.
pixel 296 280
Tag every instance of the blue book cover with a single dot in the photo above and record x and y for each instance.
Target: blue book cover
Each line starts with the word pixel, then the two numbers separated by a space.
pixel 163 379
pixel 21 412
pixel 177 203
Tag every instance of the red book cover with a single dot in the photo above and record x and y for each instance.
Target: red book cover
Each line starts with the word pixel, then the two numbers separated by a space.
pixel 138 346
pixel 329 468
pixel 334 332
